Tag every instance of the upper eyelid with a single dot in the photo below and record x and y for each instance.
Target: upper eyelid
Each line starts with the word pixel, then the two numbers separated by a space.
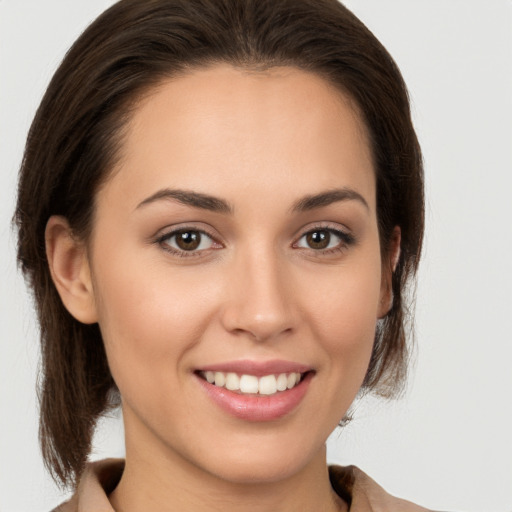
pixel 334 227
pixel 169 231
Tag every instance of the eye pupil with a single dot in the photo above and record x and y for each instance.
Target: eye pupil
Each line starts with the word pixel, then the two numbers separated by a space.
pixel 188 240
pixel 318 239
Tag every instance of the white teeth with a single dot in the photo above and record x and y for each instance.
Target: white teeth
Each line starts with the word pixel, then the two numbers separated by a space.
pixel 220 379
pixel 232 381
pixel 293 378
pixel 282 382
pixel 249 384
pixel 266 385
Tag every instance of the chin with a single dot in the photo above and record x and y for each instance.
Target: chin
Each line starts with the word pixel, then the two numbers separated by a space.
pixel 258 470
pixel 260 460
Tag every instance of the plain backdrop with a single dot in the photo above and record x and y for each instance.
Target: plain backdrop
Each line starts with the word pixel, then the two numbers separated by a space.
pixel 447 444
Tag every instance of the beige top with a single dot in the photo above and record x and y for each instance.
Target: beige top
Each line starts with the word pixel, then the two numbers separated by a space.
pixel 359 490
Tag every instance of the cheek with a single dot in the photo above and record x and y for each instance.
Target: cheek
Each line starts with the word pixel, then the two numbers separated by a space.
pixel 345 315
pixel 149 318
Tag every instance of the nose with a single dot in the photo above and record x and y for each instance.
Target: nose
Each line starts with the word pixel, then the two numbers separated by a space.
pixel 259 299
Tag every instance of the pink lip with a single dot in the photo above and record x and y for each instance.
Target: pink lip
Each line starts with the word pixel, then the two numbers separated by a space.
pixel 257 408
pixel 257 368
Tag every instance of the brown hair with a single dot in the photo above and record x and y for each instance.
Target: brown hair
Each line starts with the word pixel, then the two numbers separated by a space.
pixel 73 140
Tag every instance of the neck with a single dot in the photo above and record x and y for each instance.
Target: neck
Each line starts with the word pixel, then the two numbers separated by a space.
pixel 152 481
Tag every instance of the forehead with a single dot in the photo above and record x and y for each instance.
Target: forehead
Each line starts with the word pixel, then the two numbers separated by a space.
pixel 225 127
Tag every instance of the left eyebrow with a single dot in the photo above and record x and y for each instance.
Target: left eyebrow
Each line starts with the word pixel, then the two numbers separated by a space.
pixel 189 198
pixel 328 197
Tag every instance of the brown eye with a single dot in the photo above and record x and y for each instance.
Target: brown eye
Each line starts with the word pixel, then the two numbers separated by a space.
pixel 325 239
pixel 319 239
pixel 187 241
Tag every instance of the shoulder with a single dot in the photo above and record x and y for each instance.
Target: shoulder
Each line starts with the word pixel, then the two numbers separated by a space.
pixel 364 494
pixel 97 481
pixel 68 506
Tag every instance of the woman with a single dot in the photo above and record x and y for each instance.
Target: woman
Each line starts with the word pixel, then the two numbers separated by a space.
pixel 230 208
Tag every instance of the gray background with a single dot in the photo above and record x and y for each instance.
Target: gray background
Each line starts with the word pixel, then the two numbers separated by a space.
pixel 447 444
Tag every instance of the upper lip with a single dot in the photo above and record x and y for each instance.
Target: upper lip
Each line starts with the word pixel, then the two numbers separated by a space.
pixel 257 368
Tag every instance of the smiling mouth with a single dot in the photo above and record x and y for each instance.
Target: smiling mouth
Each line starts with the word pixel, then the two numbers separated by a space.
pixel 246 384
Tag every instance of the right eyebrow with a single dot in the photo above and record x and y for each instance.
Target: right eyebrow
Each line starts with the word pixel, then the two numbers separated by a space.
pixel 328 197
pixel 189 198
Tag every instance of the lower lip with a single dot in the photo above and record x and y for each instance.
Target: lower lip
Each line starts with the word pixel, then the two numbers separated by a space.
pixel 257 407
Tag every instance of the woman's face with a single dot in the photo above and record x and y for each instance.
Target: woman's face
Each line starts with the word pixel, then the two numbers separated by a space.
pixel 237 241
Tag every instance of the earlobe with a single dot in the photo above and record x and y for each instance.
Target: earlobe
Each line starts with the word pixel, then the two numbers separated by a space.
pixel 388 268
pixel 395 248
pixel 69 268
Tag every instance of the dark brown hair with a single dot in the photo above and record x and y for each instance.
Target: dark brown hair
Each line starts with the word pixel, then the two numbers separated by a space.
pixel 73 141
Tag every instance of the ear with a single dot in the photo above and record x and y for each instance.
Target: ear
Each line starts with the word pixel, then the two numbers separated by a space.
pixel 69 268
pixel 389 265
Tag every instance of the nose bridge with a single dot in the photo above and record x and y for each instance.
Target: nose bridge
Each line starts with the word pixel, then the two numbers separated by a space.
pixel 259 301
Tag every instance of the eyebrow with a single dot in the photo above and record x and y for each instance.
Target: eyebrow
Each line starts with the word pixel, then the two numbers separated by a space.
pixel 215 204
pixel 326 198
pixel 189 198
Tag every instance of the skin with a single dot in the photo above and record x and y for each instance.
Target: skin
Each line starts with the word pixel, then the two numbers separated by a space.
pixel 254 290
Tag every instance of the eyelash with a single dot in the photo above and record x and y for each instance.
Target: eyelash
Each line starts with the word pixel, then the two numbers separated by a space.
pixel 345 240
pixel 163 241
